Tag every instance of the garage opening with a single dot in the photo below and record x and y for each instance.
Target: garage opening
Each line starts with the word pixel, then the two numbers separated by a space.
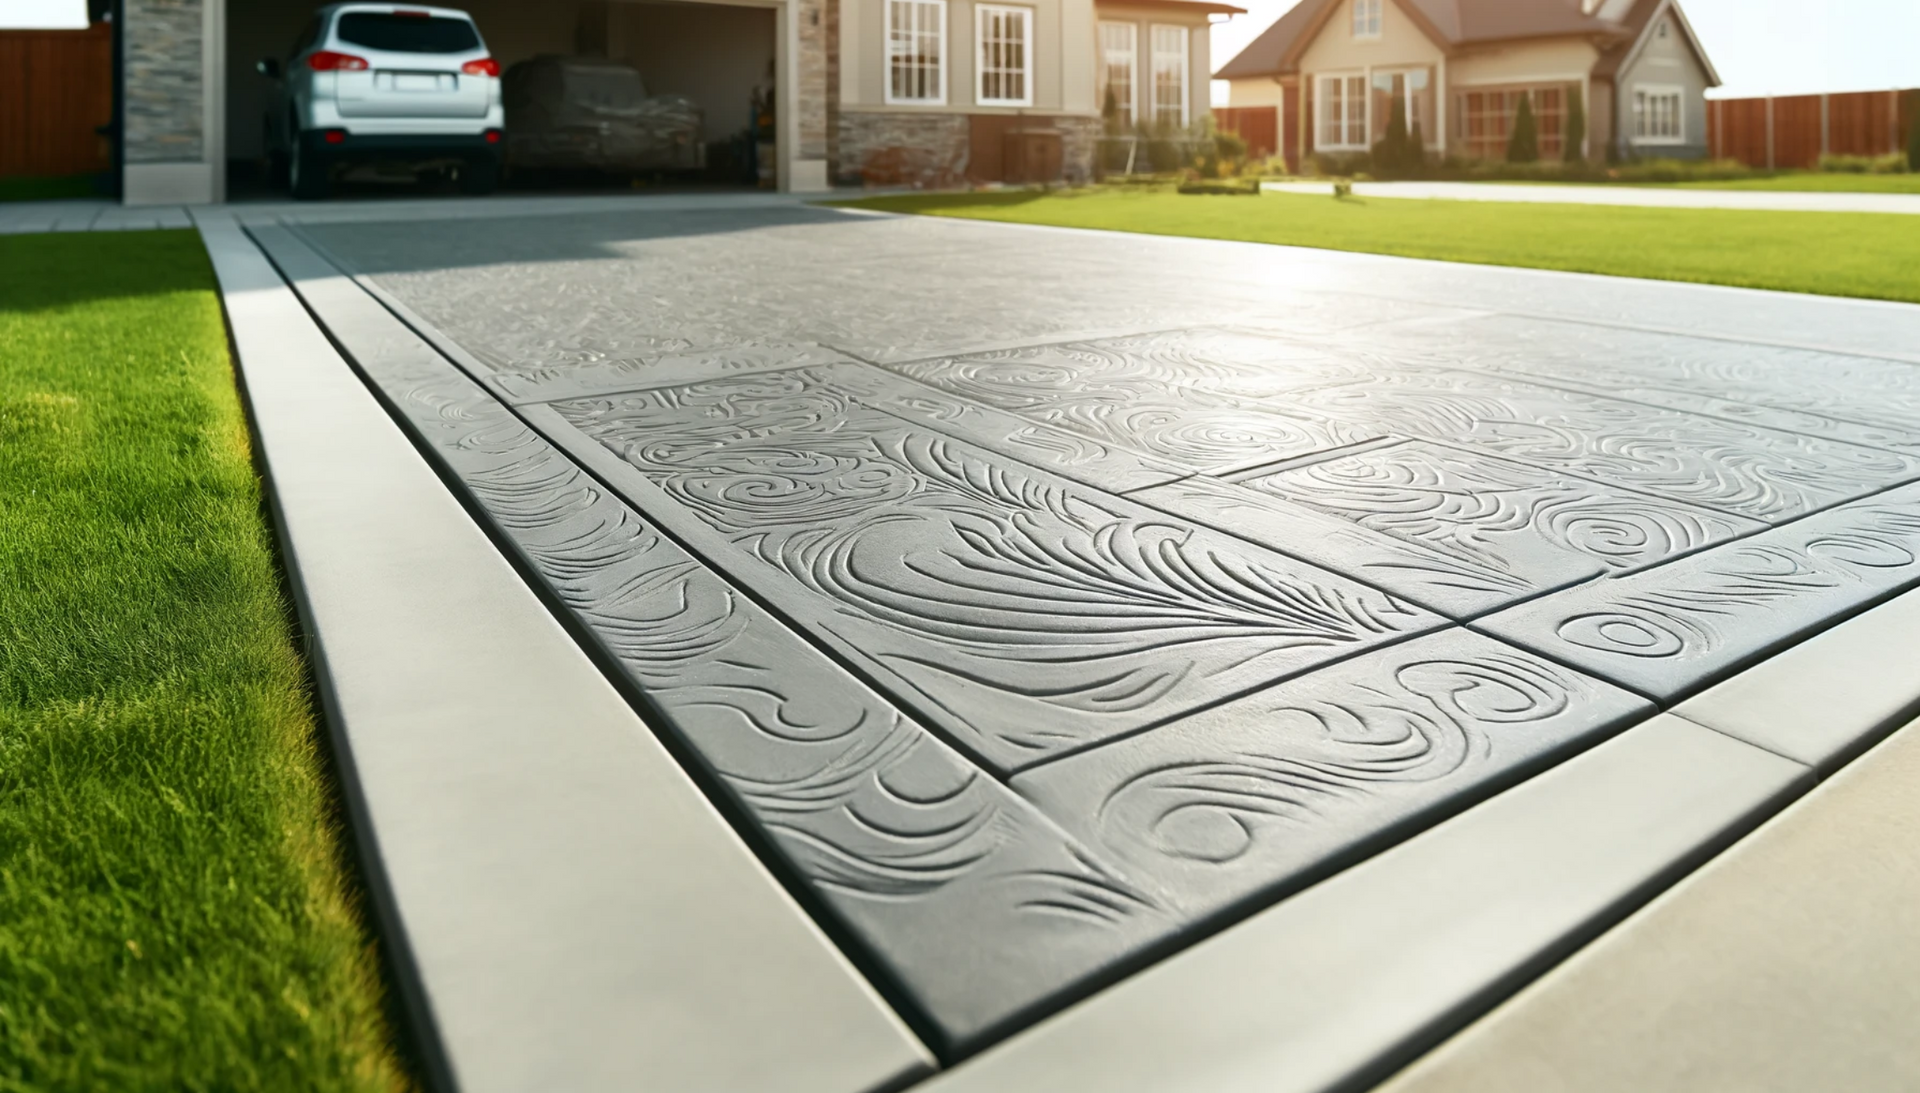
pixel 718 59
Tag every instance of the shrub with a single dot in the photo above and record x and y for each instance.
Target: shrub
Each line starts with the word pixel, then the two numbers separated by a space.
pixel 1576 126
pixel 1340 165
pixel 1222 187
pixel 1523 146
pixel 1892 164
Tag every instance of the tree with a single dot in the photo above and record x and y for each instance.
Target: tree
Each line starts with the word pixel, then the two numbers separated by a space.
pixel 1576 126
pixel 1110 113
pixel 1523 146
pixel 1398 151
pixel 1913 131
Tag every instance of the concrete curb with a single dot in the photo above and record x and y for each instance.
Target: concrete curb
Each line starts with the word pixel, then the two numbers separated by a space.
pixel 569 910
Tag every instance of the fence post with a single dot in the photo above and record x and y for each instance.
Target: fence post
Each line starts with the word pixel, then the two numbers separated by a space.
pixel 1893 122
pixel 1826 126
pixel 1769 132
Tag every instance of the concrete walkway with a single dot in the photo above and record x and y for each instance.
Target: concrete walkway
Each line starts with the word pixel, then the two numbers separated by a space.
pixel 1637 196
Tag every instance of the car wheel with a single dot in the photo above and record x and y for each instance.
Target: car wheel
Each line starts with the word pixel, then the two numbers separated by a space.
pixel 480 177
pixel 306 173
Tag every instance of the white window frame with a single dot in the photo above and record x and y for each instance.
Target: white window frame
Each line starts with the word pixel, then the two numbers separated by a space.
pixel 1130 108
pixel 1410 96
pixel 1155 55
pixel 1644 94
pixel 1368 18
pixel 981 12
pixel 1349 111
pixel 939 7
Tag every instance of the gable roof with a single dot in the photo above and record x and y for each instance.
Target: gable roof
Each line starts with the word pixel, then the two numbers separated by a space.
pixel 1636 22
pixel 1450 23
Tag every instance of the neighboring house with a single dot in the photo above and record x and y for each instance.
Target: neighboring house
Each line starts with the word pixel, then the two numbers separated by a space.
pixel 902 91
pixel 1459 67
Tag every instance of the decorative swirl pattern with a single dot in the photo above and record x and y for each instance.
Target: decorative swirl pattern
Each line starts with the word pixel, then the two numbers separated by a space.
pixel 1259 793
pixel 1500 513
pixel 1668 630
pixel 1757 472
pixel 1025 613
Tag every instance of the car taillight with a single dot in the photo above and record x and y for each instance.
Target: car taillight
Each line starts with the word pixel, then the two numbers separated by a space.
pixel 485 66
pixel 334 136
pixel 493 136
pixel 327 60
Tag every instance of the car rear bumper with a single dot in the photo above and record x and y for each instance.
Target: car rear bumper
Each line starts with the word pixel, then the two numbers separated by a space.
pixel 346 144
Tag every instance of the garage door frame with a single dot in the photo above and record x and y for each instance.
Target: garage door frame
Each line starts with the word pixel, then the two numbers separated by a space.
pixel 204 182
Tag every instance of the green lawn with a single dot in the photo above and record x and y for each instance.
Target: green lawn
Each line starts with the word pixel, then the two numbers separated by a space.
pixel 174 912
pixel 1839 254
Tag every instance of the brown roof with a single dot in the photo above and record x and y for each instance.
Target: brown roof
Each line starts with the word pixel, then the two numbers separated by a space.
pixel 1450 23
pixel 1198 7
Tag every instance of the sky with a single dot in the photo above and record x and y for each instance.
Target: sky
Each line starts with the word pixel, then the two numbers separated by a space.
pixel 1761 47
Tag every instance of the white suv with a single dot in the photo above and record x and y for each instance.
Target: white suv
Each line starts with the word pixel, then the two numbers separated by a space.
pixel 375 82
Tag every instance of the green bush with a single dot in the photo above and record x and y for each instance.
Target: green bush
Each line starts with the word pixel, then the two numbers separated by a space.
pixel 1892 164
pixel 1523 146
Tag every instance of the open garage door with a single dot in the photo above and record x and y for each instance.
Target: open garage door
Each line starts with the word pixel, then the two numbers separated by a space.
pixel 727 59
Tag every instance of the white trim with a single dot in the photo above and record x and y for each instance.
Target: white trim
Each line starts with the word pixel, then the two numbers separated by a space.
pixel 886 39
pixel 1516 81
pixel 1346 119
pixel 1679 94
pixel 1154 54
pixel 980 68
pixel 1686 26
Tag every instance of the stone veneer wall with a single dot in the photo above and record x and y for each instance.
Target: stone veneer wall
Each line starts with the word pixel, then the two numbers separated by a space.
pixel 933 150
pixel 814 31
pixel 895 149
pixel 165 81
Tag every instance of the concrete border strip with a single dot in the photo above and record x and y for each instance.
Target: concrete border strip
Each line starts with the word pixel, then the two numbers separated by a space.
pixel 1338 986
pixel 566 908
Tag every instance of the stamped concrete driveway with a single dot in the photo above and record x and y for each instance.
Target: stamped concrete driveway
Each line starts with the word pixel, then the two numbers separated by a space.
pixel 1049 599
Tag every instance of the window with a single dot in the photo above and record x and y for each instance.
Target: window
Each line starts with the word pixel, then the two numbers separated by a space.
pixel 1412 90
pixel 1366 18
pixel 917 51
pixel 1486 120
pixel 1661 30
pixel 1342 113
pixel 1169 75
pixel 407 33
pixel 1657 116
pixel 1119 58
pixel 1006 59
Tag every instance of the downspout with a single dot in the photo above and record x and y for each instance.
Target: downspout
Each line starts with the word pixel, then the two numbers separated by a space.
pixel 116 132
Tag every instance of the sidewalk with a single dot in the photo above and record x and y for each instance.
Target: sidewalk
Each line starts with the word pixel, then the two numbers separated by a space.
pixel 1638 196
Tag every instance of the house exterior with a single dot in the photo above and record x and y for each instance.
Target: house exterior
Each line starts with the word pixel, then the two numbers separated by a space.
pixel 1458 68
pixel 930 92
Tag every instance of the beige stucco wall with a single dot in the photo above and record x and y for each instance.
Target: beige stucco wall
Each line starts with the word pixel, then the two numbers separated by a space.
pixel 1545 60
pixel 1255 91
pixel 1401 44
pixel 1063 70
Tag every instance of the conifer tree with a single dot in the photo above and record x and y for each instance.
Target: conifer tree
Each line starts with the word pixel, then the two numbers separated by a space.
pixel 1576 126
pixel 1523 145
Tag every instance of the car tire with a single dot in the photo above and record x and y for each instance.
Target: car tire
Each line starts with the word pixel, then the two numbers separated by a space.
pixel 306 173
pixel 479 177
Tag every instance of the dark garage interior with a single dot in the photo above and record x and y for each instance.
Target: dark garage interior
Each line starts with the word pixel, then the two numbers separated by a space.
pixel 719 55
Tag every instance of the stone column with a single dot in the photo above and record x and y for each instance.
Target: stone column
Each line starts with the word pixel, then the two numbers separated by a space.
pixel 171 114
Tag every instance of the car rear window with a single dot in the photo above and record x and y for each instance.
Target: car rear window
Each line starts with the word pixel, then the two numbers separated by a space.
pixel 407 33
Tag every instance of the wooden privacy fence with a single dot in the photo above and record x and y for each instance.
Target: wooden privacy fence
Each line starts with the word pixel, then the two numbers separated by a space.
pixel 56 89
pixel 1789 131
pixel 1259 126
